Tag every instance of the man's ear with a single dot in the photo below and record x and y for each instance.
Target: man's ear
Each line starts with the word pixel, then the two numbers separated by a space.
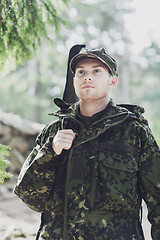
pixel 113 80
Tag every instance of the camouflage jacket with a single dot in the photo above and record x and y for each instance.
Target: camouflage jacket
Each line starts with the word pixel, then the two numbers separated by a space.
pixel 94 190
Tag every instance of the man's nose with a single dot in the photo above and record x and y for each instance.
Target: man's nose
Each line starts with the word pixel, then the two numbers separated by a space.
pixel 88 77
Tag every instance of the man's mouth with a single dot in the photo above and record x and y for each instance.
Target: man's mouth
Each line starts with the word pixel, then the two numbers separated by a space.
pixel 87 86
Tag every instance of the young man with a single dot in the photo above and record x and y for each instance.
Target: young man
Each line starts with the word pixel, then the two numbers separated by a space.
pixel 91 168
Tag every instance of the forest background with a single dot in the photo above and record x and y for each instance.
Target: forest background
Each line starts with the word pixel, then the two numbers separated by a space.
pixel 35 38
pixel 33 62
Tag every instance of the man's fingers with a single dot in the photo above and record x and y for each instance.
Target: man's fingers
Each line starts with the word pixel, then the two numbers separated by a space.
pixel 63 140
pixel 65 136
pixel 66 132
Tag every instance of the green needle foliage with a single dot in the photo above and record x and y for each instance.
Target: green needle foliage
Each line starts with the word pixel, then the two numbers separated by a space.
pixel 4 163
pixel 22 25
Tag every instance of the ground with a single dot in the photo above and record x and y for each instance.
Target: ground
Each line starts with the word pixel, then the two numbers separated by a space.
pixel 19 222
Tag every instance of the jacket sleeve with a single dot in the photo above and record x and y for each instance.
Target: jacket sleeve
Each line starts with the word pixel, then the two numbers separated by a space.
pixel 37 177
pixel 150 180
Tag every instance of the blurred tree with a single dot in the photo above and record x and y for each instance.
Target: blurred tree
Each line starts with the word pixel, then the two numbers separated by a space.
pixel 145 81
pixel 29 90
pixel 151 84
pixel 23 24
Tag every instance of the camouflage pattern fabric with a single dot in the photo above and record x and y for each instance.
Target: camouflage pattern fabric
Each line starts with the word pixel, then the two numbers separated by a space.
pixel 94 190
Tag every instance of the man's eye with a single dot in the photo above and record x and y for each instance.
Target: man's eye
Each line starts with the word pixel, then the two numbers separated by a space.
pixel 81 72
pixel 97 70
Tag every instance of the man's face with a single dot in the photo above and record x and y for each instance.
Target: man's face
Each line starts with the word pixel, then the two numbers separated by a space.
pixel 92 80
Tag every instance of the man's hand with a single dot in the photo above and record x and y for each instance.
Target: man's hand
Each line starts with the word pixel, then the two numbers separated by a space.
pixel 63 140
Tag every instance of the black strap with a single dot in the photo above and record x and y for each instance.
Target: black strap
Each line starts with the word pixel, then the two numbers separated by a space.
pixel 41 226
pixel 69 95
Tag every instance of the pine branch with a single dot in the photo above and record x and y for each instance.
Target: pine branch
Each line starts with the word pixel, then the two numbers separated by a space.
pixel 23 24
pixel 4 163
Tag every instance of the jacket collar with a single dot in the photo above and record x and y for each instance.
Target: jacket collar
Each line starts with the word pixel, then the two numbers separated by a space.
pixel 113 114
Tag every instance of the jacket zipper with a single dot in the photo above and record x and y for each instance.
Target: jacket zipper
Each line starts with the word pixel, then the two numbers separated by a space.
pixel 66 196
pixel 93 188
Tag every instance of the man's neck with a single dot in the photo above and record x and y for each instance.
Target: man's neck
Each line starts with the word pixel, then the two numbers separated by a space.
pixel 88 109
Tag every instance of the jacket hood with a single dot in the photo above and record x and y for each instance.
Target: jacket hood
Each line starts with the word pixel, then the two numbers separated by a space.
pixel 113 110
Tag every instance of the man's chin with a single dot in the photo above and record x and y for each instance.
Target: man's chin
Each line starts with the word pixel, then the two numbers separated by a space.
pixel 89 99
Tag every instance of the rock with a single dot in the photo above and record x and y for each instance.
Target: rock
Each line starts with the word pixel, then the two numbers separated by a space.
pixel 18 124
pixel 19 143
pixel 17 159
pixel 20 134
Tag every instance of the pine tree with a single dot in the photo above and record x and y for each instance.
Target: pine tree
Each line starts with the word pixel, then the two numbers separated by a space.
pixel 22 26
pixel 4 163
